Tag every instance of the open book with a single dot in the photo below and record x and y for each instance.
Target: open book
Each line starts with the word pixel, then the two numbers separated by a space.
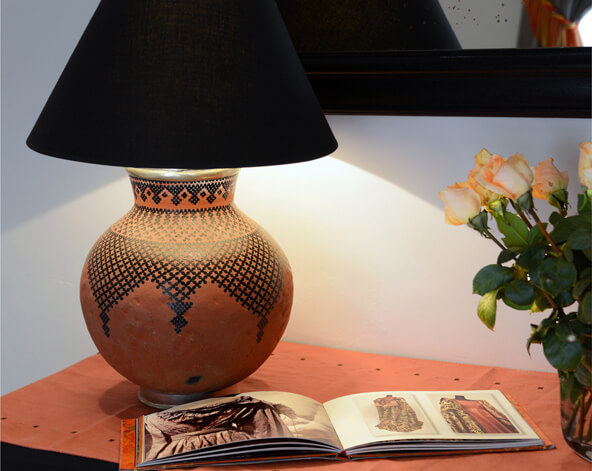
pixel 276 426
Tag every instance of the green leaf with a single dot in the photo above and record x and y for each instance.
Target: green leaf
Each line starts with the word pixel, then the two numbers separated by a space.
pixel 586 274
pixel 507 302
pixel 554 275
pixel 514 229
pixel 531 256
pixel 584 281
pixel 541 303
pixel 569 386
pixel 535 236
pixel 567 226
pixel 563 351
pixel 544 327
pixel 582 331
pixel 479 222
pixel 491 277
pixel 529 342
pixel 564 332
pixel 519 293
pixel 525 202
pixel 555 217
pixel 564 299
pixel 584 371
pixel 559 199
pixel 584 204
pixel 585 309
pixel 580 240
pixel 487 308
pixel 580 288
pixel 505 256
pixel 568 254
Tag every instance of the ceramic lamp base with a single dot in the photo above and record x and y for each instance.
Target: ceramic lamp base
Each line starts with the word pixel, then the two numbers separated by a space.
pixel 185 294
pixel 160 400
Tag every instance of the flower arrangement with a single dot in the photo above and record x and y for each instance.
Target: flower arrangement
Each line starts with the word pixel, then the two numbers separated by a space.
pixel 541 266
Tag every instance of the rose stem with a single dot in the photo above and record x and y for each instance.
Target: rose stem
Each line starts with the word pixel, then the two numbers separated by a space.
pixel 544 231
pixel 550 299
pixel 582 416
pixel 521 214
pixel 589 403
pixel 584 411
pixel 589 437
pixel 573 414
pixel 492 237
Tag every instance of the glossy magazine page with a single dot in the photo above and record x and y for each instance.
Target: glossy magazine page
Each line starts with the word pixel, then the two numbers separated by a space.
pixel 238 427
pixel 428 420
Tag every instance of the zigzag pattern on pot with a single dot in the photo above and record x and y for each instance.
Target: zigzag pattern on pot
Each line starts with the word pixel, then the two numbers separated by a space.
pixel 148 245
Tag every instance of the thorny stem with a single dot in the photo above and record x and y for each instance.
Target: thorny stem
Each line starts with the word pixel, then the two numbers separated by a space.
pixel 582 407
pixel 539 224
pixel 573 413
pixel 582 416
pixel 589 403
pixel 589 435
pixel 551 302
pixel 521 214
pixel 489 235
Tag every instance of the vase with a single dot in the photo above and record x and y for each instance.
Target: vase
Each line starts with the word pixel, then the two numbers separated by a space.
pixel 185 295
pixel 576 414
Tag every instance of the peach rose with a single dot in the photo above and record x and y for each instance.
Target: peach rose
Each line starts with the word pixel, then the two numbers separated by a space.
pixel 481 160
pixel 462 203
pixel 510 178
pixel 585 164
pixel 548 179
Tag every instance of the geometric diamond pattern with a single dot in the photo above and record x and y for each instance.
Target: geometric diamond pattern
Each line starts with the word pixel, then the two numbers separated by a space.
pixel 150 191
pixel 180 251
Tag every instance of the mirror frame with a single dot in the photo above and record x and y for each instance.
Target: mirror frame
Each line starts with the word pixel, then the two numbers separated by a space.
pixel 540 83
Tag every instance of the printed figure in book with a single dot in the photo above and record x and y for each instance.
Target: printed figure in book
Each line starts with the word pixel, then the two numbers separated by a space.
pixel 170 432
pixel 396 415
pixel 270 426
pixel 474 416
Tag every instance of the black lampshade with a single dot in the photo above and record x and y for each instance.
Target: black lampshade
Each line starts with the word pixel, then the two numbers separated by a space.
pixel 184 84
pixel 367 25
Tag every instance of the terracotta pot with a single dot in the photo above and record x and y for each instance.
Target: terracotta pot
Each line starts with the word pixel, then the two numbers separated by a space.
pixel 185 295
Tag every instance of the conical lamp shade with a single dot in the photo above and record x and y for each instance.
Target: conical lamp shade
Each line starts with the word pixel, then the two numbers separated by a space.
pixel 184 84
pixel 356 25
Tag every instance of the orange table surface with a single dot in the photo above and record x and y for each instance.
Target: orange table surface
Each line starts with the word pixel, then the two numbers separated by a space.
pixel 78 410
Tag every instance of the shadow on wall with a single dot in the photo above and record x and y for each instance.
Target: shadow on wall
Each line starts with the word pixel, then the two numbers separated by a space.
pixel 34 52
pixel 422 155
pixel 33 185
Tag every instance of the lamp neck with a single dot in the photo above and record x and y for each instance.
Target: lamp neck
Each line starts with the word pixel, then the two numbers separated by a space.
pixel 183 190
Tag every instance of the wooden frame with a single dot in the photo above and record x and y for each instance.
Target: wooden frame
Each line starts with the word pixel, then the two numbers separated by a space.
pixel 481 82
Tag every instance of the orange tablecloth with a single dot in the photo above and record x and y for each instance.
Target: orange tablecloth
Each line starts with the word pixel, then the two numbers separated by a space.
pixel 78 410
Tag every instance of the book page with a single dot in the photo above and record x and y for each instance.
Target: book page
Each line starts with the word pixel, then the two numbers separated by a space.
pixel 428 415
pixel 212 424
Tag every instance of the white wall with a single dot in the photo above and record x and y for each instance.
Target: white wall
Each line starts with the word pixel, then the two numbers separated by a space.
pixel 485 24
pixel 376 269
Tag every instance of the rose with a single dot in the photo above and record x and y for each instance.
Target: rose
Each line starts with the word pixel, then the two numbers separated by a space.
pixel 462 203
pixel 585 164
pixel 548 180
pixel 481 160
pixel 510 178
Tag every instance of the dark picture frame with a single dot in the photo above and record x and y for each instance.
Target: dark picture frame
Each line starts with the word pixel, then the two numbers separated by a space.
pixel 542 83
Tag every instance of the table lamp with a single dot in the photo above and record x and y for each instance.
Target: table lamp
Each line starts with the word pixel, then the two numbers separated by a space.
pixel 185 295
